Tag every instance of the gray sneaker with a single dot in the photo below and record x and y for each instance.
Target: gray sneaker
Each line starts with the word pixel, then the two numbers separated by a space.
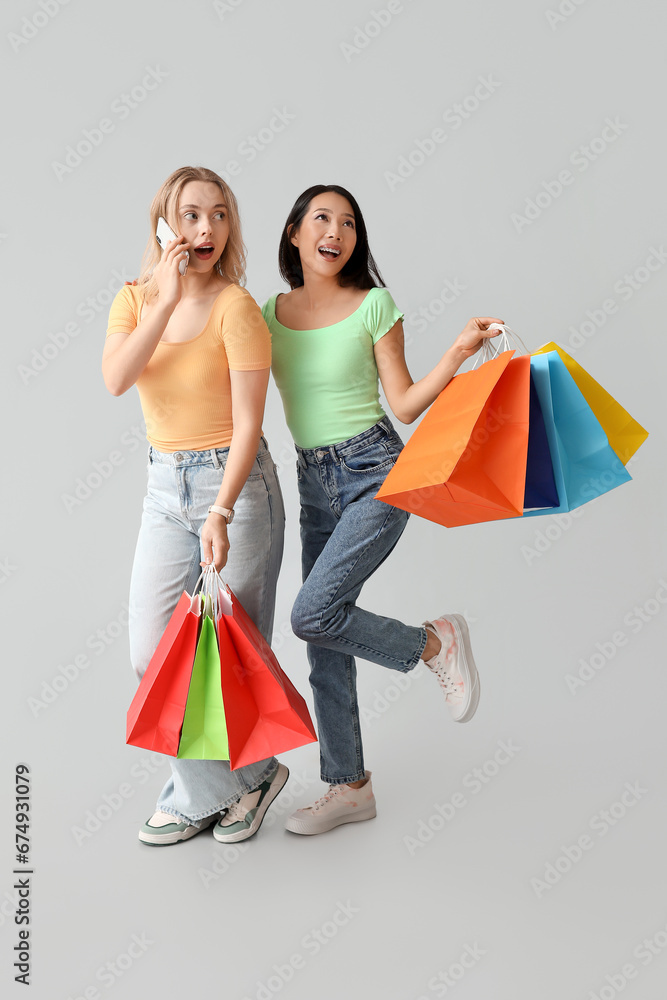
pixel 244 818
pixel 162 829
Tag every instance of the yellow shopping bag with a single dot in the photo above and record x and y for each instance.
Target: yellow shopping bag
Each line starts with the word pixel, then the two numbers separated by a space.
pixel 624 433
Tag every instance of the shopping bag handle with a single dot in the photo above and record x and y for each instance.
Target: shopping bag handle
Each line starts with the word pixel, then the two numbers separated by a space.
pixel 205 594
pixel 508 341
pixel 216 593
pixel 195 600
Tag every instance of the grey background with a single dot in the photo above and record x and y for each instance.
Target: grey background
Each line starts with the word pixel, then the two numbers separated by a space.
pixel 540 593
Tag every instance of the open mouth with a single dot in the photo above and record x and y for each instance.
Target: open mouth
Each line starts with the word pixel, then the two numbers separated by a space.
pixel 205 251
pixel 329 252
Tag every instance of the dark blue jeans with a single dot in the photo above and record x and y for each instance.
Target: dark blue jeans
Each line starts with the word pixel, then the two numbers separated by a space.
pixel 345 535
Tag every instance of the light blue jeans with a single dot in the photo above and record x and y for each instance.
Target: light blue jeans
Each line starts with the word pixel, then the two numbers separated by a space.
pixel 181 487
pixel 345 535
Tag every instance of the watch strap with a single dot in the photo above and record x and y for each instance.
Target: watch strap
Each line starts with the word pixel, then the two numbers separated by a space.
pixel 226 512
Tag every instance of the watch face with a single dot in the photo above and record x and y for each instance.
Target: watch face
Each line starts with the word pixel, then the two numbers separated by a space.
pixel 230 517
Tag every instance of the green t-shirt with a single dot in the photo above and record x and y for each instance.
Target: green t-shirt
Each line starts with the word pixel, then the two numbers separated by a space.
pixel 328 378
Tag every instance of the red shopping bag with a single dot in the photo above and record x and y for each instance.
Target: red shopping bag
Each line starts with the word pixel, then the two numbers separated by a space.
pixel 265 713
pixel 155 717
pixel 466 461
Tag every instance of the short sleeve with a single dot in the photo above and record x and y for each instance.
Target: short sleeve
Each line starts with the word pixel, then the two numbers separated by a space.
pixel 124 312
pixel 381 313
pixel 269 310
pixel 245 335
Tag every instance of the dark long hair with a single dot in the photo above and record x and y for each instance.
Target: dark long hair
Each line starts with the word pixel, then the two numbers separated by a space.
pixel 361 271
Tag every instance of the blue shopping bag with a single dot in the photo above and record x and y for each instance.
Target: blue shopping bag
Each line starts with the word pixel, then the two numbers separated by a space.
pixel 541 490
pixel 584 464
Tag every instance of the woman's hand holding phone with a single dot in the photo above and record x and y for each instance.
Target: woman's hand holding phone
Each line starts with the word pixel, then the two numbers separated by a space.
pixel 173 263
pixel 167 273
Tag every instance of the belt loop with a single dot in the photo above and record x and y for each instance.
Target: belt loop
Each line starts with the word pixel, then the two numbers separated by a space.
pixel 300 458
pixel 215 459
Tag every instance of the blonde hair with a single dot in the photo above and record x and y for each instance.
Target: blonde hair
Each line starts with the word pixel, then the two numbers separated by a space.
pixel 232 263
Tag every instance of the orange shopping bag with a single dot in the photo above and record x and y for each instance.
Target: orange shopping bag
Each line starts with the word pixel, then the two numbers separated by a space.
pixel 466 461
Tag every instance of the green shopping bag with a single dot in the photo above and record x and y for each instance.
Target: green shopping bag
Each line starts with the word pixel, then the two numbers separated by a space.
pixel 204 732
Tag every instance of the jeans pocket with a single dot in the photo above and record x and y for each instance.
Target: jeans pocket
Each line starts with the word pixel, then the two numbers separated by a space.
pixel 368 460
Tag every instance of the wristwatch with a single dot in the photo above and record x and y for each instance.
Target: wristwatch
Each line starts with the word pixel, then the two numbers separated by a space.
pixel 226 512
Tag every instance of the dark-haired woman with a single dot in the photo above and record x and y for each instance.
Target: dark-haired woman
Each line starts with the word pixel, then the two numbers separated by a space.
pixel 332 334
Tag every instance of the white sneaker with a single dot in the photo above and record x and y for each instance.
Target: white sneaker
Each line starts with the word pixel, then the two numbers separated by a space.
pixel 163 829
pixel 341 804
pixel 244 818
pixel 454 666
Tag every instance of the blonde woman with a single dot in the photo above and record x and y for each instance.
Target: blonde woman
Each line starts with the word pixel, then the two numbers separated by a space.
pixel 198 350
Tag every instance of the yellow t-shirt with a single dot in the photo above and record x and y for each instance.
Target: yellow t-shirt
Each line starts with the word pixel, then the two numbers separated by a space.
pixel 185 389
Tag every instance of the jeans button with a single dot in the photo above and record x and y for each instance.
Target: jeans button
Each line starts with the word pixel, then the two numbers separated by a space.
pixel 178 457
pixel 320 455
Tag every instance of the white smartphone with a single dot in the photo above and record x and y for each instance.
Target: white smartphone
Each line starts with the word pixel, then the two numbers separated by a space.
pixel 164 233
